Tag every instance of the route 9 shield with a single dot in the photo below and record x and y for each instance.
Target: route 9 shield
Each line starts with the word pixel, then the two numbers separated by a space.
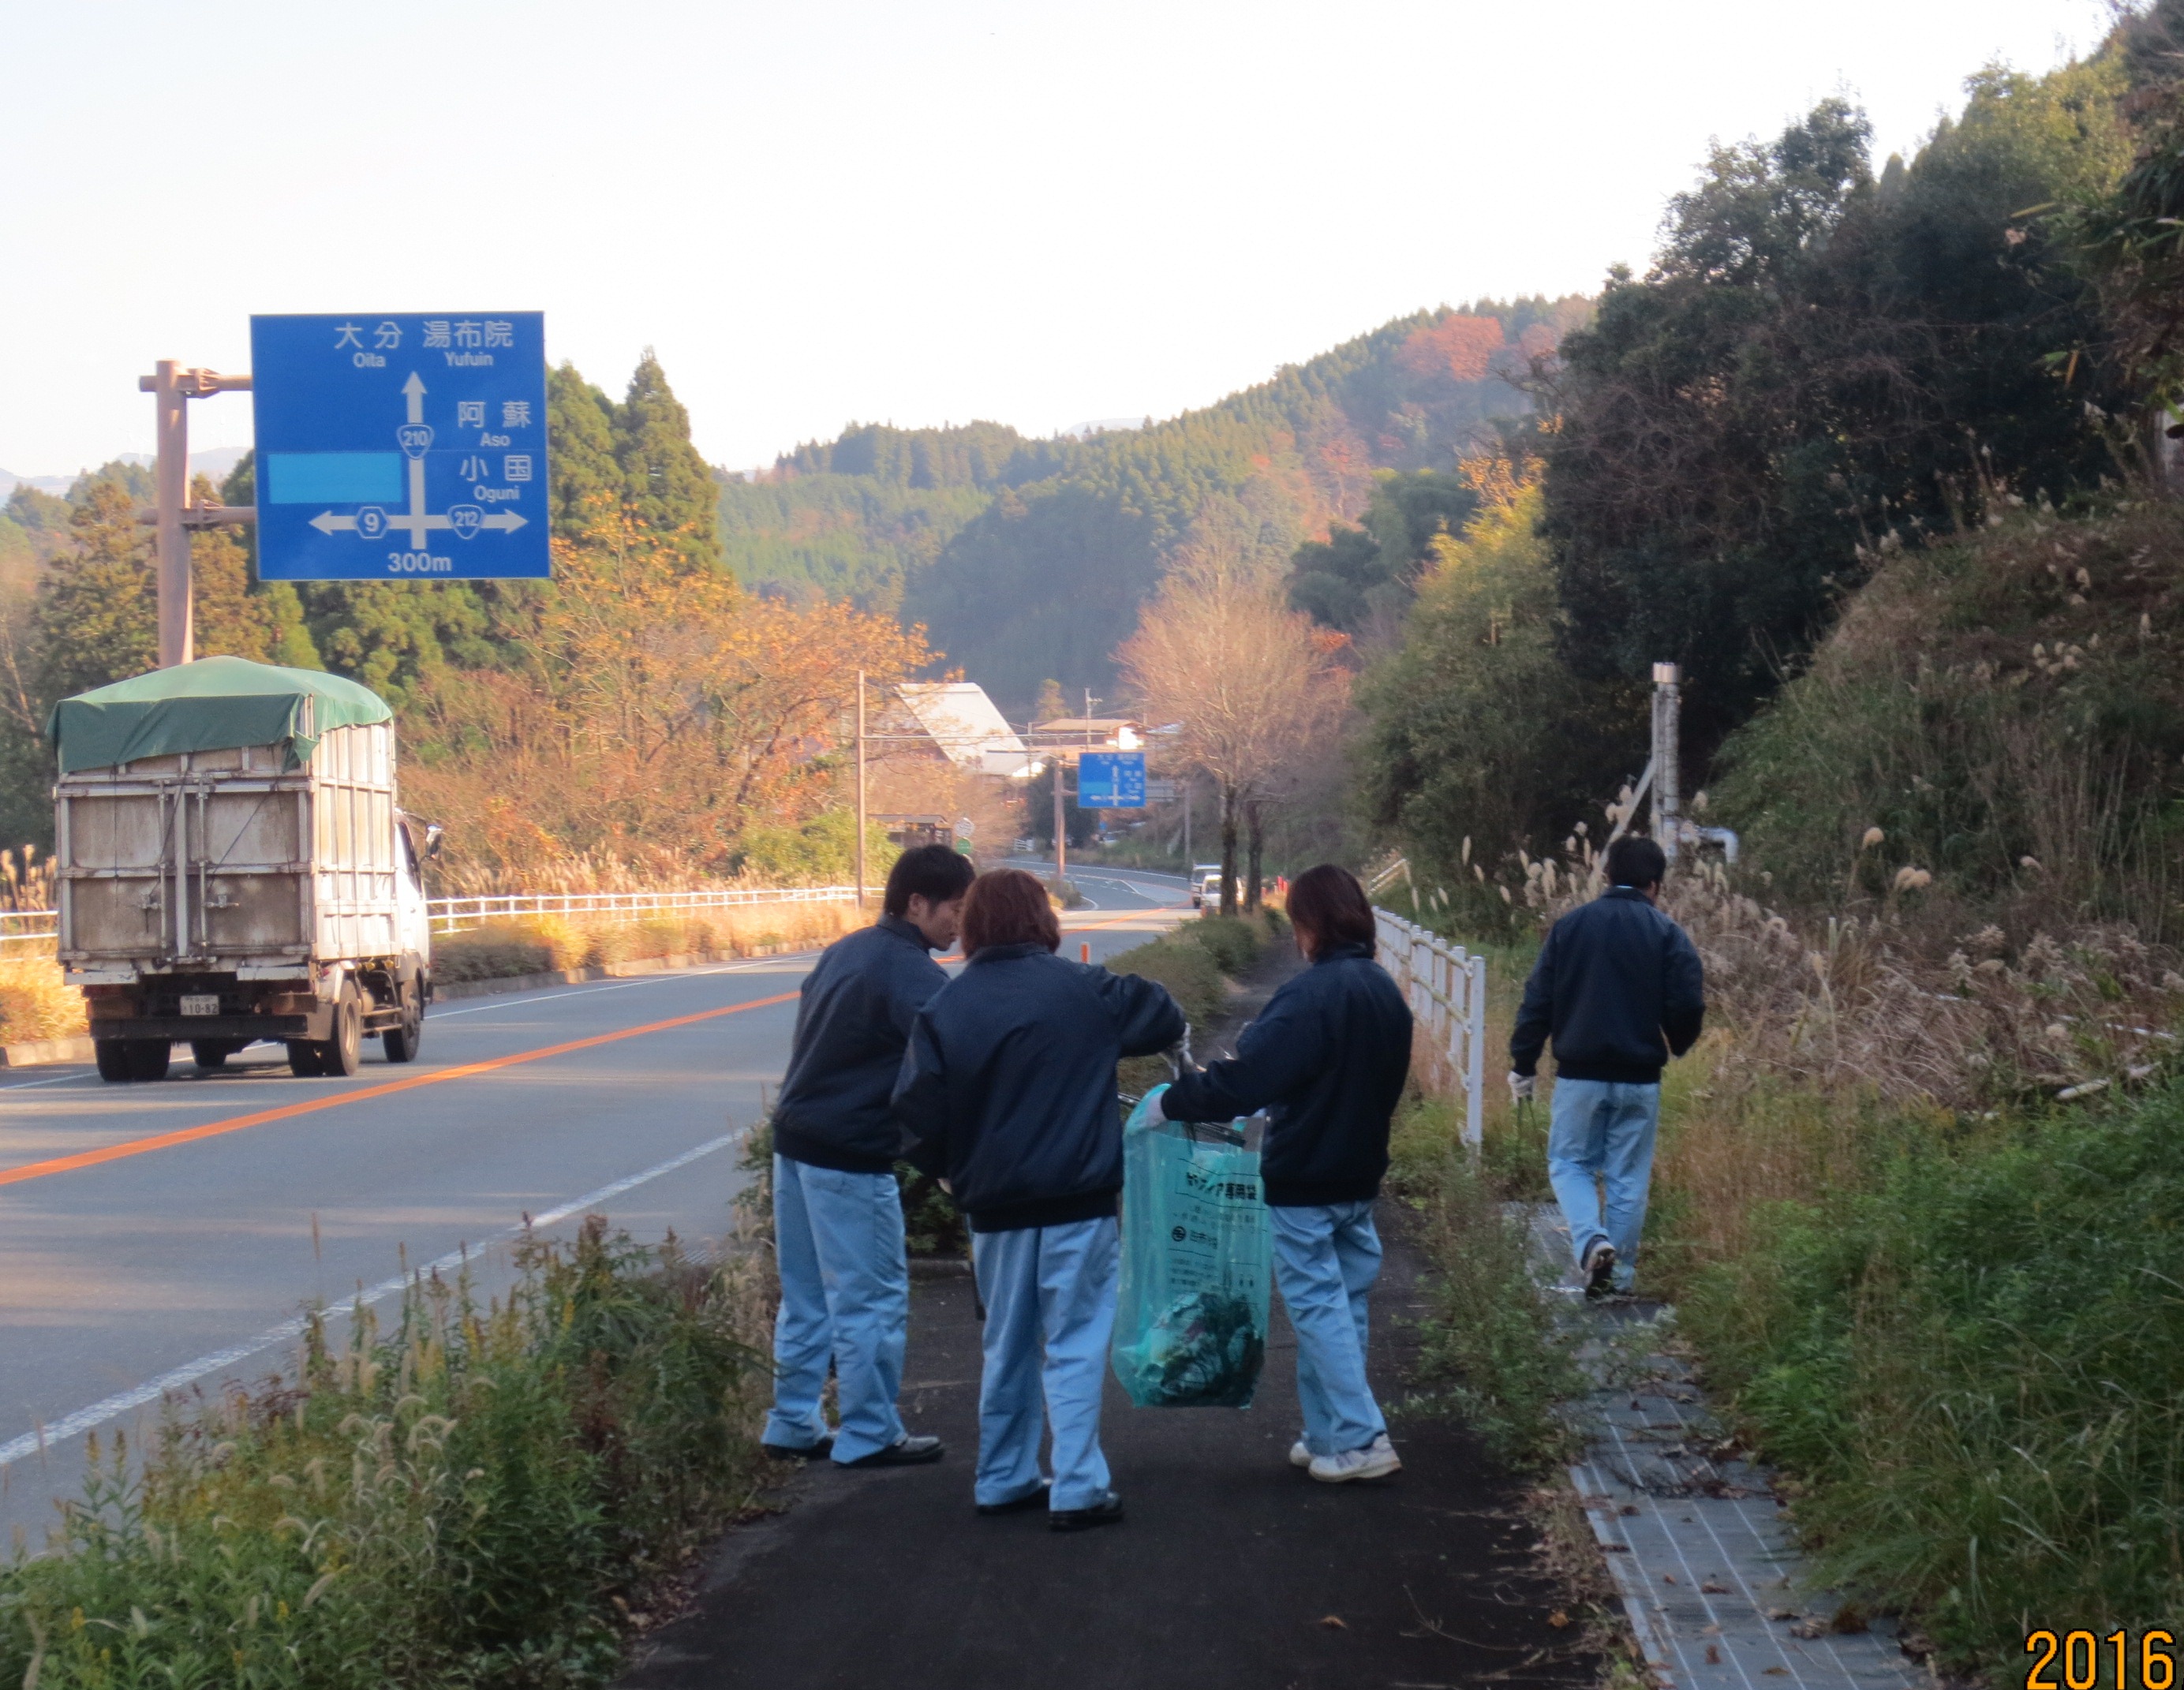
pixel 398 446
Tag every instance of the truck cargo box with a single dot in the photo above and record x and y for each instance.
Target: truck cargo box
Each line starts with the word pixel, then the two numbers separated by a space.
pixel 224 825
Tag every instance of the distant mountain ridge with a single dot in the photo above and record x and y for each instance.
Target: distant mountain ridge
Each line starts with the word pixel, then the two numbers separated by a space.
pixel 1027 559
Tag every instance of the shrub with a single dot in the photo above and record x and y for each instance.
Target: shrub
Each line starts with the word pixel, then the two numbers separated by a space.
pixel 468 1499
pixel 1977 1367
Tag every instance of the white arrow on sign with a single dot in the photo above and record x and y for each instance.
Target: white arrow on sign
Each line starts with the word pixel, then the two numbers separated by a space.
pixel 417 520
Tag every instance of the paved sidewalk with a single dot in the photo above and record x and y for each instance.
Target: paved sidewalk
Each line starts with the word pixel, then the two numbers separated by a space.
pixel 1710 1573
pixel 1232 1569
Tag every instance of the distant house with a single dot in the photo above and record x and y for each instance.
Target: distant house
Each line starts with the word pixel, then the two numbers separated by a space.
pixel 1088 734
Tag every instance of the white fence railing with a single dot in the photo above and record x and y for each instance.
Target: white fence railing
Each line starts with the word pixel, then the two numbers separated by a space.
pixel 19 927
pixel 452 915
pixel 1446 986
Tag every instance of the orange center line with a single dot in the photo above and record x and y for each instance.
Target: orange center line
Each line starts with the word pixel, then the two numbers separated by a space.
pixel 1127 915
pixel 116 1152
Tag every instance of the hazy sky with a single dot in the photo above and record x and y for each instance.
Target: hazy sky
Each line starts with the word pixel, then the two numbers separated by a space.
pixel 915 211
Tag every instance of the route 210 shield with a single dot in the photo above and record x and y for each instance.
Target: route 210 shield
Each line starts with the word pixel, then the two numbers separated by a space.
pixel 401 447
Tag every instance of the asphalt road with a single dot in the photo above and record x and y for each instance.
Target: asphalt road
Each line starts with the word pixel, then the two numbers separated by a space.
pixel 166 1236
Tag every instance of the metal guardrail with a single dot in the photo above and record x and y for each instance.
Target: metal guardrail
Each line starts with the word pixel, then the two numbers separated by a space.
pixel 452 915
pixel 1446 986
pixel 29 927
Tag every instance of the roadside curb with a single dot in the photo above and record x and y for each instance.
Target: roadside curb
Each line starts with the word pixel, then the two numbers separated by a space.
pixel 635 967
pixel 54 1052
pixel 41 1052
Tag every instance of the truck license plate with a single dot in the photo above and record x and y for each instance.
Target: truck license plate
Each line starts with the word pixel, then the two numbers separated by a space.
pixel 201 1003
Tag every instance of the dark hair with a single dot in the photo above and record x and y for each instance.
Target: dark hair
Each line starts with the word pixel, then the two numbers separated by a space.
pixel 1328 903
pixel 1633 860
pixel 1008 906
pixel 938 873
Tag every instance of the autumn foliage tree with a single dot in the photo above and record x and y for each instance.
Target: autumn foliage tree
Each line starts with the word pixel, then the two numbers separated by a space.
pixel 658 710
pixel 1246 683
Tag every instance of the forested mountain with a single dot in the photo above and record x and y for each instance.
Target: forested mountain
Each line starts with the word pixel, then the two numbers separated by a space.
pixel 1028 560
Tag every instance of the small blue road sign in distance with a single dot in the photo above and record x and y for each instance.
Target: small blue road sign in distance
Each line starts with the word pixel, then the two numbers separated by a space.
pixel 1110 780
pixel 401 448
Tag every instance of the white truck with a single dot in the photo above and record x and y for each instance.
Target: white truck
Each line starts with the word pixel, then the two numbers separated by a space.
pixel 233 867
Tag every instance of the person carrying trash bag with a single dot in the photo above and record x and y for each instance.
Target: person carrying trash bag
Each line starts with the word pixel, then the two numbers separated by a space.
pixel 836 1210
pixel 1327 1059
pixel 1007 1094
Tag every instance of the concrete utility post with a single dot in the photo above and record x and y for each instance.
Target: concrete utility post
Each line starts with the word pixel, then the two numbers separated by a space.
pixel 1061 826
pixel 173 517
pixel 1667 792
pixel 860 789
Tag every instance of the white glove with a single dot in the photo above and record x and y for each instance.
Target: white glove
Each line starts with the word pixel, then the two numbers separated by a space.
pixel 1523 1087
pixel 1155 1115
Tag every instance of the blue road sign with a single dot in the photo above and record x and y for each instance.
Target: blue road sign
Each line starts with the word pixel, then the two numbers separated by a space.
pixel 401 448
pixel 1110 780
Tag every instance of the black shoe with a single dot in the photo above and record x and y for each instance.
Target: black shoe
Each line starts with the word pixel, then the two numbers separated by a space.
pixel 1600 1269
pixel 1106 1512
pixel 810 1451
pixel 1035 1497
pixel 904 1452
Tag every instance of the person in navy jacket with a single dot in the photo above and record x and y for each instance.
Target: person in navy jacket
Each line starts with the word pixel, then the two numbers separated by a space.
pixel 1327 1059
pixel 1619 989
pixel 1007 1093
pixel 836 1210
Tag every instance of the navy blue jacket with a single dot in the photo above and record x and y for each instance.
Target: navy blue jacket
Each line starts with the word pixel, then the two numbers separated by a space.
pixel 1327 1060
pixel 1007 1090
pixel 1618 987
pixel 858 1005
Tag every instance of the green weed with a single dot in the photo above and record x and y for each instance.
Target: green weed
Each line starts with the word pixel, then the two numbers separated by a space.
pixel 477 1497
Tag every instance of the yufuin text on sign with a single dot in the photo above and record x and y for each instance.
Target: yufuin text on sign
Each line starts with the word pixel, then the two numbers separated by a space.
pixel 401 448
pixel 1110 780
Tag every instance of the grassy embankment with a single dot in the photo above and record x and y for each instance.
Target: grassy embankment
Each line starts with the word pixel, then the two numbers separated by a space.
pixel 476 1497
pixel 1917 1195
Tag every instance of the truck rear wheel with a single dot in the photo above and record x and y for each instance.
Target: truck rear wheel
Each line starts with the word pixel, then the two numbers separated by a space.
pixel 303 1058
pixel 343 1054
pixel 113 1056
pixel 148 1058
pixel 400 1043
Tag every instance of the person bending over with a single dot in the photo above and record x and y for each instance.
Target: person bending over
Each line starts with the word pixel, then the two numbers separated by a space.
pixel 837 1216
pixel 1327 1059
pixel 1007 1093
pixel 1619 989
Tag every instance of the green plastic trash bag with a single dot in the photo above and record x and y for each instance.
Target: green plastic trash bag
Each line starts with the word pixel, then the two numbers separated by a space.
pixel 1191 1324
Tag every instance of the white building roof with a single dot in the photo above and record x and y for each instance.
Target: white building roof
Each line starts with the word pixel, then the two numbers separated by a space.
pixel 965 725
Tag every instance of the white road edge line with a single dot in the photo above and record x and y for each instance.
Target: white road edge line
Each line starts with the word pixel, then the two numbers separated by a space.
pixel 98 1413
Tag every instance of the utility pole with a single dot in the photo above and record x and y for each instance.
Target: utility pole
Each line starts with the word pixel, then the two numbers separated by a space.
pixel 860 790
pixel 173 517
pixel 1667 795
pixel 1186 829
pixel 1061 828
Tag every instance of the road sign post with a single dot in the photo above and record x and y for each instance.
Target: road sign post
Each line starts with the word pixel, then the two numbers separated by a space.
pixel 401 448
pixel 173 516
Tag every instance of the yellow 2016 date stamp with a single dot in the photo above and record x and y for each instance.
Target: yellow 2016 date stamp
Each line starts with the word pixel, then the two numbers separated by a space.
pixel 2119 1660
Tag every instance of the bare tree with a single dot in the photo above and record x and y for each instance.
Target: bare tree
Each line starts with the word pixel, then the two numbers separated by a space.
pixel 1242 679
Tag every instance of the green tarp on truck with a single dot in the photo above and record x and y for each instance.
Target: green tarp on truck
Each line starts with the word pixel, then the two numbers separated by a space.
pixel 212 705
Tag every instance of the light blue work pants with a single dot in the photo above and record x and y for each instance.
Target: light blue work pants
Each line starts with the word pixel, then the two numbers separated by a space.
pixel 1326 1257
pixel 844 1294
pixel 1600 1133
pixel 1049 1293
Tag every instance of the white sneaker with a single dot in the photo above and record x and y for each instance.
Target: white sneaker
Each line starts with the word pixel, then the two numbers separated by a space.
pixel 1299 1455
pixel 1377 1460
